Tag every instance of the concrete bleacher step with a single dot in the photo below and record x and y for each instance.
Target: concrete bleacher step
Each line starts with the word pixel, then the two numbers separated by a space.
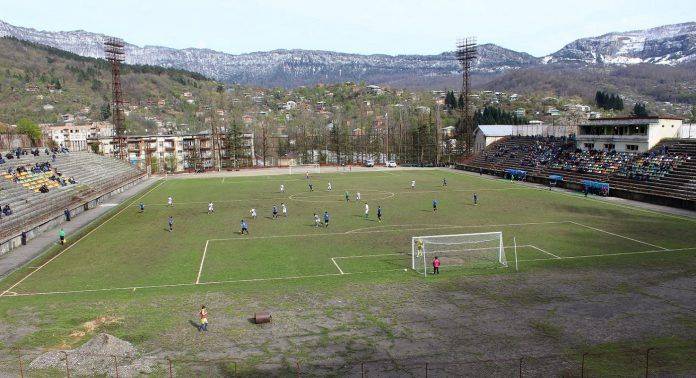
pixel 94 172
pixel 679 182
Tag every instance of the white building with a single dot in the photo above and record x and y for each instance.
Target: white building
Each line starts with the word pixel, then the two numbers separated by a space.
pixel 74 136
pixel 290 105
pixel 70 136
pixel 169 152
pixel 637 134
pixel 375 89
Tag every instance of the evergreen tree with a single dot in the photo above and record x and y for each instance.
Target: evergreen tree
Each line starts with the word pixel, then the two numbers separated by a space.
pixel 234 144
pixel 450 100
pixel 599 99
pixel 105 111
pixel 640 110
pixel 608 101
pixel 491 115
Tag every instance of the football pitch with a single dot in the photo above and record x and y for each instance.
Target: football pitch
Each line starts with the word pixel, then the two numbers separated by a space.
pixel 130 250
pixel 582 275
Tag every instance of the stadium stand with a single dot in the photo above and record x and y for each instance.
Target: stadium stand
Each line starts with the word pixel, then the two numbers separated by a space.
pixel 37 188
pixel 664 175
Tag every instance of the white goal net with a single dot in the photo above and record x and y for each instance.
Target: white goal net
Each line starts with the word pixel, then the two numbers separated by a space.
pixel 304 168
pixel 482 250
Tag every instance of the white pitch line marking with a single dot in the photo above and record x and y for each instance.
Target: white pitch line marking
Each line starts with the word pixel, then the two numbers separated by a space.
pixel 337 267
pixel 615 254
pixel 382 254
pixel 394 230
pixel 131 288
pixel 620 236
pixel 78 240
pixel 546 252
pixel 315 276
pixel 338 197
pixel 200 268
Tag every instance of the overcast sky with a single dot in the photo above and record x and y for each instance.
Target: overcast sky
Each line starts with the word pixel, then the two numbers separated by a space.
pixel 359 26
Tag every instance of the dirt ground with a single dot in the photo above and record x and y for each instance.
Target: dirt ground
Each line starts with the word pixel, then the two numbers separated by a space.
pixel 545 317
pixel 476 318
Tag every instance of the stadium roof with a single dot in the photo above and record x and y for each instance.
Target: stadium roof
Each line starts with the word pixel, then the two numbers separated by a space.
pixel 499 130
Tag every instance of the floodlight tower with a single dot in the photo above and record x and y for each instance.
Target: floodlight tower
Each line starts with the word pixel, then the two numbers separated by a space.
pixel 466 55
pixel 115 54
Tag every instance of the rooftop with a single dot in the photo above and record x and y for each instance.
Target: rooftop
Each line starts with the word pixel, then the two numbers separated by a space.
pixel 635 118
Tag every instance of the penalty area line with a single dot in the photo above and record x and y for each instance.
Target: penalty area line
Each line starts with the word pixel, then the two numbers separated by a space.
pixel 200 268
pixel 363 256
pixel 337 267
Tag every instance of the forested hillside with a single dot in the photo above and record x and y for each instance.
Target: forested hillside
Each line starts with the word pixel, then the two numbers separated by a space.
pixel 40 83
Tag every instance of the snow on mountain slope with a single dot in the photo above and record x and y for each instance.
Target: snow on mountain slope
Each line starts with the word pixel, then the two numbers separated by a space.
pixel 670 44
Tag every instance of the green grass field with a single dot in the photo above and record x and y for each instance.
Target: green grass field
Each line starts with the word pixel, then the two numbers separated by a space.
pixel 131 258
pixel 133 250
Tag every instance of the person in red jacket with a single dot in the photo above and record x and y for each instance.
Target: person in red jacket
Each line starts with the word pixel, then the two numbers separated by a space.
pixel 436 265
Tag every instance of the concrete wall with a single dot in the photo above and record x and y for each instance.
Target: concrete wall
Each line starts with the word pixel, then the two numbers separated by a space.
pixel 665 128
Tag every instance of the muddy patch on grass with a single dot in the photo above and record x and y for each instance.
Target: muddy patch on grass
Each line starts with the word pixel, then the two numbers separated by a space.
pixel 485 317
pixel 91 326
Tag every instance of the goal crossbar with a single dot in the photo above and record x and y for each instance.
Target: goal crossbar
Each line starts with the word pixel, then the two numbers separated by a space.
pixel 304 168
pixel 475 250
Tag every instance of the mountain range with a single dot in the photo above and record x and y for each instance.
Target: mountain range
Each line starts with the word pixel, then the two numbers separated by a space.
pixel 670 45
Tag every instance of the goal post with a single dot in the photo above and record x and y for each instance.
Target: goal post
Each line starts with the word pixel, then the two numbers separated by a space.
pixel 480 250
pixel 304 168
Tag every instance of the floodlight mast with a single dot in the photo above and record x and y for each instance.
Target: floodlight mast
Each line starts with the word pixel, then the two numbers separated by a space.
pixel 466 55
pixel 114 51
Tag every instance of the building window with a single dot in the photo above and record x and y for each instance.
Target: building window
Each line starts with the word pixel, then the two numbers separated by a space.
pixel 631 147
pixel 609 146
pixel 589 146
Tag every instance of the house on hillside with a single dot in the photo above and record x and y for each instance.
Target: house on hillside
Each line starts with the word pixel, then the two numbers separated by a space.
pixel 448 131
pixel 290 105
pixel 374 89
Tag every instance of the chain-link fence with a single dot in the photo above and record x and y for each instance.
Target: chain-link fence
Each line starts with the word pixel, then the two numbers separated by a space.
pixel 657 361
